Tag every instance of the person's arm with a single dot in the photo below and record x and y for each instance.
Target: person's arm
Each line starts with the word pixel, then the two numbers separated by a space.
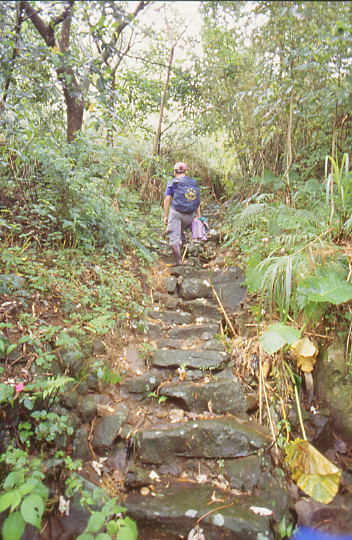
pixel 198 213
pixel 167 202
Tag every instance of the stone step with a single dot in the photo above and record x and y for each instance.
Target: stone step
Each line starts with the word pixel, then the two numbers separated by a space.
pixel 229 286
pixel 185 272
pixel 204 309
pixel 189 331
pixel 142 384
pixel 172 317
pixel 189 343
pixel 174 510
pixel 166 300
pixel 189 359
pixel 220 395
pixel 191 288
pixel 214 438
pixel 188 335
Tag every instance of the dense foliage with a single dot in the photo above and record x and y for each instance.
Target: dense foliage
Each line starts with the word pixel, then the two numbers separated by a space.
pixel 256 96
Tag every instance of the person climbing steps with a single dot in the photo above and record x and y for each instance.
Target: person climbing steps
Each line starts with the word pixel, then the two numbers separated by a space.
pixel 181 204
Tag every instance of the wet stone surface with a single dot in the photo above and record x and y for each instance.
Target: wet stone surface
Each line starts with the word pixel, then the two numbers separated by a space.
pixel 191 359
pixel 176 510
pixel 222 395
pixel 211 438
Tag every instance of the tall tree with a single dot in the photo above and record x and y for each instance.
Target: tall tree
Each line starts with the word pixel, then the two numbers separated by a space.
pixel 56 33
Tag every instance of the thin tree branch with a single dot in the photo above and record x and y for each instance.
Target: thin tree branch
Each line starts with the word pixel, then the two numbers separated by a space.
pixel 19 22
pixel 47 30
pixel 109 47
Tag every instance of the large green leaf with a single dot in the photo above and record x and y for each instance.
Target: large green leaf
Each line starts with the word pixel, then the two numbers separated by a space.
pixel 126 533
pixel 254 273
pixel 6 393
pixel 85 536
pixel 312 472
pixel 32 509
pixel 96 522
pixel 13 527
pixel 11 498
pixel 278 335
pixel 327 288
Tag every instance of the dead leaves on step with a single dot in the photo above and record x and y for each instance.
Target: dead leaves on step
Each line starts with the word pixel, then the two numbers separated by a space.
pixel 313 473
pixel 196 533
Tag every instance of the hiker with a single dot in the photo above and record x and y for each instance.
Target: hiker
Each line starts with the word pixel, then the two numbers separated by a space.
pixel 183 194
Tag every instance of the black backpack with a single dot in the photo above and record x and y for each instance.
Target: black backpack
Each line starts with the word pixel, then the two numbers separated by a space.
pixel 186 198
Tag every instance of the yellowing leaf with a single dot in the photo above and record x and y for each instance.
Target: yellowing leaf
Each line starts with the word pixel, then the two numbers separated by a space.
pixel 305 352
pixel 312 472
pixel 91 107
pixel 306 363
pixel 304 347
pixel 55 49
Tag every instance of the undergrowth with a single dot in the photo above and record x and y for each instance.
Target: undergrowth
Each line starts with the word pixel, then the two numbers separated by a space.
pixel 75 268
pixel 293 254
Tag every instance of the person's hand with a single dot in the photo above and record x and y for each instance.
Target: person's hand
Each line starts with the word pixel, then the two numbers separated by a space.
pixel 165 220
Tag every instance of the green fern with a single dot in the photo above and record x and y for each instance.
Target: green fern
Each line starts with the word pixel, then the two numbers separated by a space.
pixel 294 239
pixel 248 216
pixel 45 388
pixel 279 280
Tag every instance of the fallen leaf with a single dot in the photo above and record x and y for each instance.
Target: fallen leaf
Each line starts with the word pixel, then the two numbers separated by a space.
pixel 103 409
pixel 196 534
pixel 261 511
pixel 306 363
pixel 154 476
pixel 97 467
pixel 305 353
pixel 176 415
pixel 181 373
pixel 214 498
pixel 201 478
pixel 312 472
pixel 64 505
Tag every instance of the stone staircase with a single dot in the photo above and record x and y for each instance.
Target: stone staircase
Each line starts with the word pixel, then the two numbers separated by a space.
pixel 199 465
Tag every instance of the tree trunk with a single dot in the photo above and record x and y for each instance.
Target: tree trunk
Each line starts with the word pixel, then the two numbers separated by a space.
pixel 74 106
pixel 333 144
pixel 72 91
pixel 74 112
pixel 286 176
pixel 19 21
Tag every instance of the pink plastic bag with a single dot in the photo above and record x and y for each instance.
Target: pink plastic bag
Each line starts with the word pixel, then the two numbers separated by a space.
pixel 199 232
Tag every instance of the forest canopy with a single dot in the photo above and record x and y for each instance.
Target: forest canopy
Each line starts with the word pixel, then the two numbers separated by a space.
pixel 261 87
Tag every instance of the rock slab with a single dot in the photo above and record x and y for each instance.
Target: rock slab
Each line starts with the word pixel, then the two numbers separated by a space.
pixel 221 395
pixel 175 510
pixel 191 358
pixel 216 438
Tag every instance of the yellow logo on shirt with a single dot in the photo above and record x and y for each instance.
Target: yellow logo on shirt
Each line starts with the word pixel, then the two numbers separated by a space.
pixel 191 194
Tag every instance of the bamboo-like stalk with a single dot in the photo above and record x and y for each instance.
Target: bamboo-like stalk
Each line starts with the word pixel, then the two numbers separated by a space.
pixel 271 424
pixel 260 387
pixel 299 411
pixel 223 310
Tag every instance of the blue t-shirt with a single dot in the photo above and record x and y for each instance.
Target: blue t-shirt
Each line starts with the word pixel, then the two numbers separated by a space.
pixel 170 188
